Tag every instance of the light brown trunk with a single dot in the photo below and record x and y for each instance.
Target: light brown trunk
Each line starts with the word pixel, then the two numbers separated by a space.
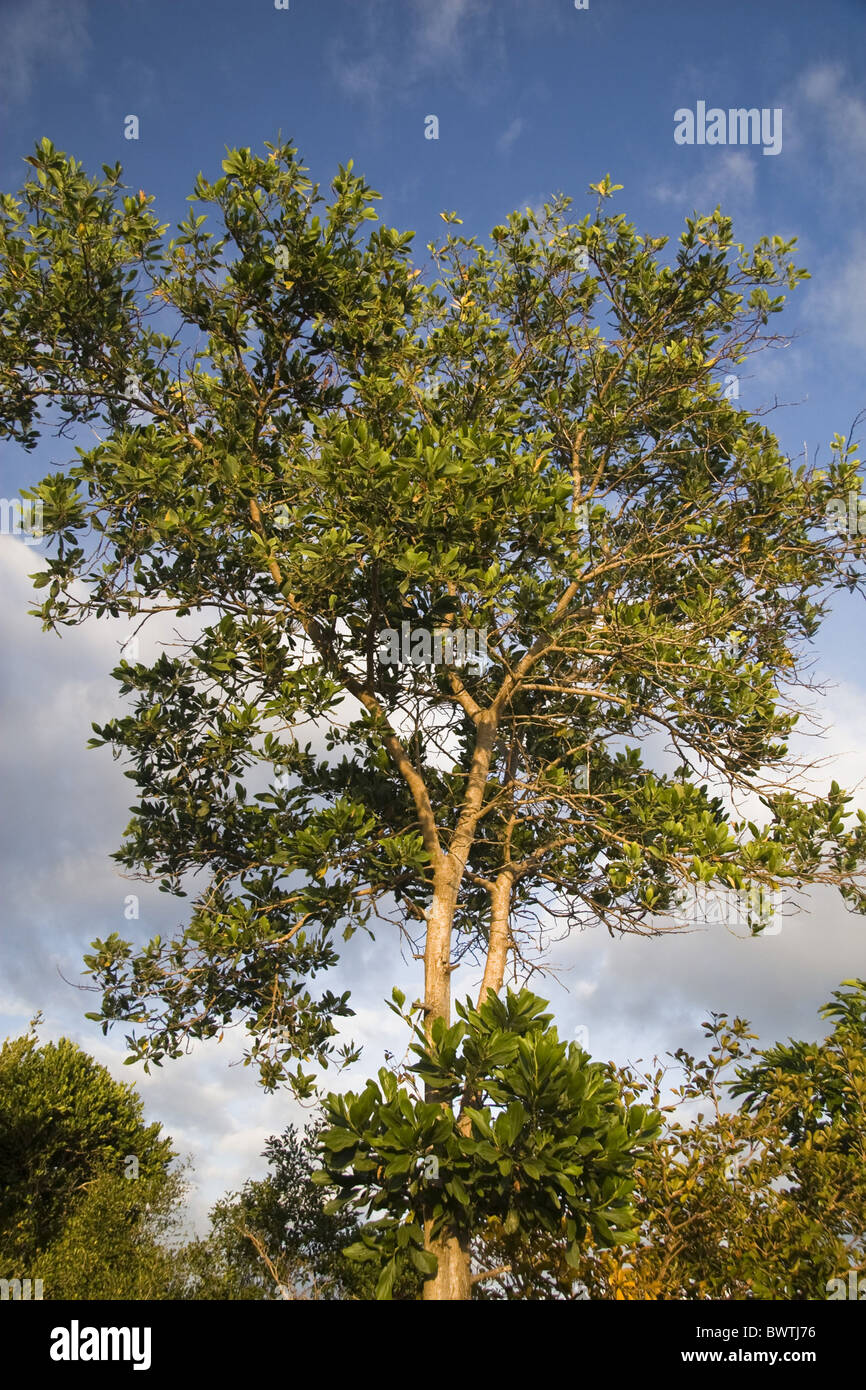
pixel 452 1279
pixel 437 950
pixel 500 937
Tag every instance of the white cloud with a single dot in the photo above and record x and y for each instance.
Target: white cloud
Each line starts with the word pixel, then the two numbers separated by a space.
pixel 837 299
pixel 585 989
pixel 364 78
pixel 443 26
pixel 830 111
pixel 13 1008
pixel 512 133
pixel 454 39
pixel 727 178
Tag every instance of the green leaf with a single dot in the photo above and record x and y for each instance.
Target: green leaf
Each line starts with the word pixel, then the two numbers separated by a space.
pixel 424 1261
pixel 385 1284
pixel 360 1253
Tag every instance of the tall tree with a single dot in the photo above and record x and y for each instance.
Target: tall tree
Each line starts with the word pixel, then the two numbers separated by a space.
pixel 304 443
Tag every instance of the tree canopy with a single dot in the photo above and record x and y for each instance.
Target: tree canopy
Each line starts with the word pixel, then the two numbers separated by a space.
pixel 80 1171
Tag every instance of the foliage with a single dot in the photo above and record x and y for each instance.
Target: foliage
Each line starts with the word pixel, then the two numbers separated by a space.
pixel 547 1145
pixel 121 1240
pixel 761 1200
pixel 64 1123
pixel 275 1238
pixel 301 442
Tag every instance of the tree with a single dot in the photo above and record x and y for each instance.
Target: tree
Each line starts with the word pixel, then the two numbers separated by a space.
pixel 517 1127
pixel 306 448
pixel 275 1238
pixel 121 1240
pixel 761 1199
pixel 87 1191
pixel 64 1121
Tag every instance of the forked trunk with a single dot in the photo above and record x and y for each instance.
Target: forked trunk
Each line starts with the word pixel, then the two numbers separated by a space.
pixel 453 1278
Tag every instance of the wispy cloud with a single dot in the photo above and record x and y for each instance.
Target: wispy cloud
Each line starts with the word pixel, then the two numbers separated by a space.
pixel 828 138
pixel 725 178
pixel 443 27
pixel 838 299
pixel 451 38
pixel 829 114
pixel 512 133
pixel 35 34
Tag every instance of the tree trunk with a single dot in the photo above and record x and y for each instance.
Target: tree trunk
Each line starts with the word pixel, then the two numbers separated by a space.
pixel 453 1278
pixel 452 1281
pixel 500 937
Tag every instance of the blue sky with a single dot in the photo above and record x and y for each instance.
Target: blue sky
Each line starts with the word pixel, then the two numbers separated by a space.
pixel 532 97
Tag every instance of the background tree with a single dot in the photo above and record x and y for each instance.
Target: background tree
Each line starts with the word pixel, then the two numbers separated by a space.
pixel 64 1121
pixel 122 1239
pixel 275 1238
pixel 754 1189
pixel 301 442
pixel 88 1195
